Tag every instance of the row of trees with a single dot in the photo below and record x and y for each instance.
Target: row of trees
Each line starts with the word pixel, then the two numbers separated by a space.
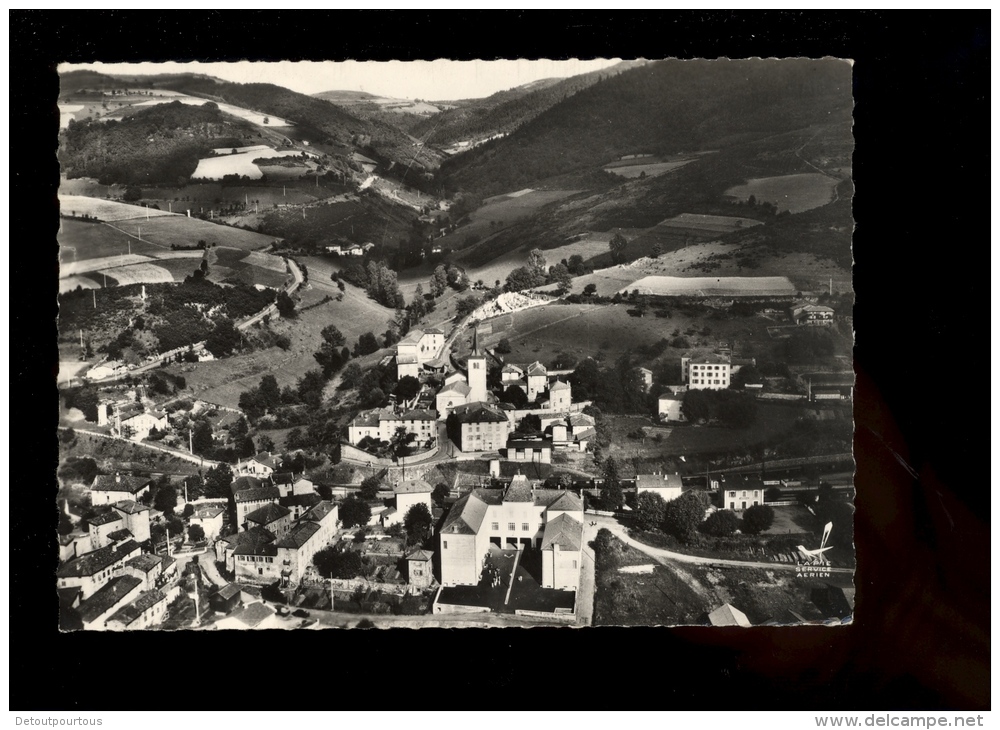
pixel 684 517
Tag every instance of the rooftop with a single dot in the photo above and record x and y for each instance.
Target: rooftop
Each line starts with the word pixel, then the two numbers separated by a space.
pixel 458 387
pixel 105 519
pixel 422 555
pixel 267 514
pixel 97 560
pixel 122 534
pixel 559 385
pixel 413 486
pixel 110 595
pixel 133 611
pixel 319 511
pixel 536 368
pixel 228 591
pixel 299 500
pixel 563 531
pixel 130 507
pixel 255 541
pixel 119 483
pixel 207 513
pixel 252 615
pixel 658 481
pixel 478 413
pixel 298 536
pixel 145 562
pixel 246 482
pixel 529 443
pixel 728 615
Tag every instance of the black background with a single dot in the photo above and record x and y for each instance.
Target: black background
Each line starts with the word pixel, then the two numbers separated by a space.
pixel 921 636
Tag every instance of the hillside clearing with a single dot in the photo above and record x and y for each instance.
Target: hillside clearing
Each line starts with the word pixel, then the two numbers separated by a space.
pixel 794 193
pixel 105 210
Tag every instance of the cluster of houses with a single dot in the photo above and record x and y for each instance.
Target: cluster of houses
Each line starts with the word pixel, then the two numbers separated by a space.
pixel 477 423
pixel 104 577
pixel 353 249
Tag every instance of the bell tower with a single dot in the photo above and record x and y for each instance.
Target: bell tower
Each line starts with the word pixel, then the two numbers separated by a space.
pixel 476 368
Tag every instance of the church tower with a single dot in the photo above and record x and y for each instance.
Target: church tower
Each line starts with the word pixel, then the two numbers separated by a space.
pixel 476 368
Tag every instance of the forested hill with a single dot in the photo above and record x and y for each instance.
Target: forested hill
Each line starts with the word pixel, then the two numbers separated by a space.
pixel 672 106
pixel 73 81
pixel 158 144
pixel 316 120
pixel 505 111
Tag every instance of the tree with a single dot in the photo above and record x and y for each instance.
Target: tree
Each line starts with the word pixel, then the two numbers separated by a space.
pixel 561 276
pixel 737 410
pixel 439 281
pixel 695 406
pixel 132 194
pixel 418 308
pixel 524 277
pixel 536 263
pixel 217 481
pixel 265 443
pixel 657 249
pixel 175 526
pixel 333 563
pixel 332 335
pixel 166 499
pixel 503 346
pixel 757 519
pixel 407 388
pixel 721 523
pixel 617 245
pixel 515 396
pixel 223 339
pixel 196 533
pixel 188 510
pixel 683 515
pixel 202 439
pixel 440 494
pixel 611 494
pixel 417 523
pixel 590 290
pixel 467 305
pixel 286 307
pixel 270 393
pixel 370 487
pixel 400 442
pixel 649 511
pixel 354 511
pixel 366 345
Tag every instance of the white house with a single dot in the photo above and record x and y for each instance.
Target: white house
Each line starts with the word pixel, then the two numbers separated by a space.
pixel 382 423
pixel 419 346
pixel 110 488
pixel 146 611
pixel 478 427
pixel 209 518
pixel 135 517
pixel 114 594
pixel 669 408
pixel 262 465
pixel 707 373
pixel 737 492
pixel 411 492
pixel 90 571
pixel 668 486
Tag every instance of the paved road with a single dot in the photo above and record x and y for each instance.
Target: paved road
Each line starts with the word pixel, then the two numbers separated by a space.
pixel 211 573
pixel 661 555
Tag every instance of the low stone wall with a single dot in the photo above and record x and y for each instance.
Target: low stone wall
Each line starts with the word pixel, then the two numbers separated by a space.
pixel 359 456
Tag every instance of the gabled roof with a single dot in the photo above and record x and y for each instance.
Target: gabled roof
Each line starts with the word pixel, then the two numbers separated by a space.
pixel 565 501
pixel 298 536
pixel 105 519
pixel 255 541
pixel 111 594
pixel 511 368
pixel 519 490
pixel 299 500
pixel 413 486
pixel 432 331
pixel 283 477
pixel 416 414
pixel 368 418
pixel 412 337
pixel 145 562
pixel 122 534
pixel 467 514
pixel 536 368
pixel 459 388
pixel 478 412
pixel 97 560
pixel 728 615
pixel 559 385
pixel 563 531
pixel 658 481
pixel 529 443
pixel 133 611
pixel 267 514
pixel 119 483
pixel 130 507
pixel 422 555
pixel 252 615
pixel 228 591
pixel 247 482
pixel 319 512
pixel 265 458
pixel 207 513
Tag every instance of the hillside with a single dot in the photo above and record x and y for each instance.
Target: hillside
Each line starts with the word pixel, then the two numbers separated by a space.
pixel 673 107
pixel 505 111
pixel 159 144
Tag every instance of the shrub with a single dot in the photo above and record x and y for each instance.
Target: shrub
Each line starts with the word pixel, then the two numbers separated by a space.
pixel 721 523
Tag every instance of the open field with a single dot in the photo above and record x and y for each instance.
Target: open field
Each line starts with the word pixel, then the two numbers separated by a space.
pixel 215 168
pixel 794 193
pixel 500 267
pixel 713 286
pixel 651 169
pixel 85 266
pixel 185 231
pixel 106 210
pixel 144 273
pixel 585 330
pixel 112 455
pixel 222 381
pixel 69 283
pixel 501 211
pixel 213 195
pixel 792 520
pixel 772 421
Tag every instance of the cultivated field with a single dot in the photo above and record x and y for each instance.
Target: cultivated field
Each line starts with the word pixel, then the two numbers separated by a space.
pixel 707 224
pixel 139 274
pixel 794 193
pixel 651 169
pixel 708 286
pixel 73 268
pixel 185 231
pixel 105 210
pixel 213 195
pixel 215 168
pixel 501 211
pixel 69 283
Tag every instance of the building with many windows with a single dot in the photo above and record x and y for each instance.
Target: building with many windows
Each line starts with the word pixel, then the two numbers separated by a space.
pixel 550 520
pixel 707 373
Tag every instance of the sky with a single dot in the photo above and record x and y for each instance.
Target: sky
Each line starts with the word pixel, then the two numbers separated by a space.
pixel 439 80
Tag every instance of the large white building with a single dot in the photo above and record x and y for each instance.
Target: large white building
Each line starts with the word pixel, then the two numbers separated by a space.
pixel 418 347
pixel 713 372
pixel 550 520
pixel 381 424
pixel 668 486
